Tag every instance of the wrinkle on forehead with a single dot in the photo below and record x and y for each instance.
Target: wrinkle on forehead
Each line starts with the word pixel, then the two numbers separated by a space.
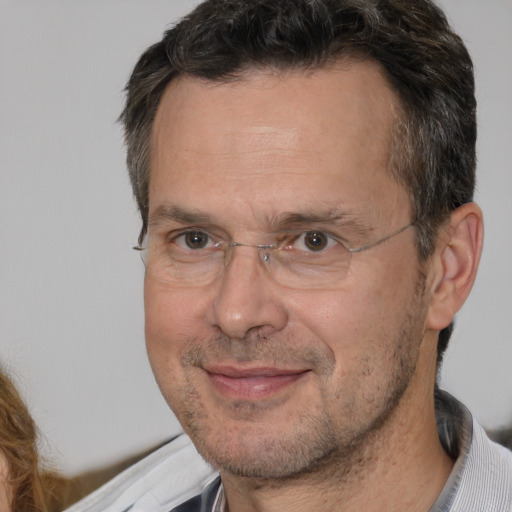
pixel 259 139
pixel 254 139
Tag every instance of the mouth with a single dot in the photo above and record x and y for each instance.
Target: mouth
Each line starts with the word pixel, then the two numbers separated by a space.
pixel 252 383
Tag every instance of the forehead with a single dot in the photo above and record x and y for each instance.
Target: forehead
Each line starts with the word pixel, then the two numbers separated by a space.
pixel 276 137
pixel 326 96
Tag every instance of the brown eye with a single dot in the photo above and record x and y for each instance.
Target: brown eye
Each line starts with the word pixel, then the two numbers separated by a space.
pixel 196 239
pixel 315 241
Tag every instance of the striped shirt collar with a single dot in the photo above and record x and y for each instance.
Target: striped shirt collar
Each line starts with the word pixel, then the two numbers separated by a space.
pixel 455 429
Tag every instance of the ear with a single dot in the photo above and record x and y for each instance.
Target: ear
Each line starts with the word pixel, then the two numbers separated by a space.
pixel 455 264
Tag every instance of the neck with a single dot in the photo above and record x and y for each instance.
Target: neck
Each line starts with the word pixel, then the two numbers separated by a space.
pixel 399 467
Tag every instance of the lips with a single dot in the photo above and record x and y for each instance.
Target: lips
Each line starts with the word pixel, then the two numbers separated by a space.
pixel 252 383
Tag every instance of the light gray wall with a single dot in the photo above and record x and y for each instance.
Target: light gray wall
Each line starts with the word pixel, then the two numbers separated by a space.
pixel 71 315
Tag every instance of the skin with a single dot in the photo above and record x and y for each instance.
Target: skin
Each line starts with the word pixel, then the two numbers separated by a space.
pixel 303 399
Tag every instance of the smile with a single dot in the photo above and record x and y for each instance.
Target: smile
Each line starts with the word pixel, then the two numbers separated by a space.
pixel 254 383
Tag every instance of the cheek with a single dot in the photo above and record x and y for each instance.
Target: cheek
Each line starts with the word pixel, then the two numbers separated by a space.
pixel 361 320
pixel 338 317
pixel 173 321
pixel 174 318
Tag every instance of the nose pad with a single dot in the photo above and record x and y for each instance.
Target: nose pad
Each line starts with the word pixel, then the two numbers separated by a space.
pixel 264 250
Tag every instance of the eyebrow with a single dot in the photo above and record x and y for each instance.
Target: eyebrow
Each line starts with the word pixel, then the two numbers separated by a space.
pixel 340 219
pixel 165 213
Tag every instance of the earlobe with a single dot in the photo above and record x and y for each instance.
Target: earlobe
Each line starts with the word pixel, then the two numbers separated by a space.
pixel 456 264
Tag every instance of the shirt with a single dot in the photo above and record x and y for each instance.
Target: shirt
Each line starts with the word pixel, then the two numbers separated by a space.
pixel 175 478
pixel 481 479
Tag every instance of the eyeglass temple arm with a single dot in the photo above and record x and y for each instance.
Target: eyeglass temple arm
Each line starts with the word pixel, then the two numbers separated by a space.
pixel 380 241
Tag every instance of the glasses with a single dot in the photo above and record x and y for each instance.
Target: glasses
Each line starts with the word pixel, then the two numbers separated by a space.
pixel 302 259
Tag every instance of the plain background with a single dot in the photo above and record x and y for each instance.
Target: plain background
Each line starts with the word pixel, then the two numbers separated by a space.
pixel 71 314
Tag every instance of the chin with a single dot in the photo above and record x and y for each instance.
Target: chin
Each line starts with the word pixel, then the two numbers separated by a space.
pixel 264 450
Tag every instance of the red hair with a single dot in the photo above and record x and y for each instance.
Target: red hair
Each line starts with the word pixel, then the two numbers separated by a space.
pixel 30 491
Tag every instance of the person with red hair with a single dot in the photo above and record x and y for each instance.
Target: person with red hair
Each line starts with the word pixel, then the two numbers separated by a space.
pixel 23 487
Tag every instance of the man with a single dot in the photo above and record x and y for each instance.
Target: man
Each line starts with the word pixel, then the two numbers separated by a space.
pixel 304 171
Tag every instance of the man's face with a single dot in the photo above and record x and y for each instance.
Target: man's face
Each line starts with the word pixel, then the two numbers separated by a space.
pixel 271 380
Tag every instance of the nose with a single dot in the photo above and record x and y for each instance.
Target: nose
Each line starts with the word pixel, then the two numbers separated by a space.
pixel 247 298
